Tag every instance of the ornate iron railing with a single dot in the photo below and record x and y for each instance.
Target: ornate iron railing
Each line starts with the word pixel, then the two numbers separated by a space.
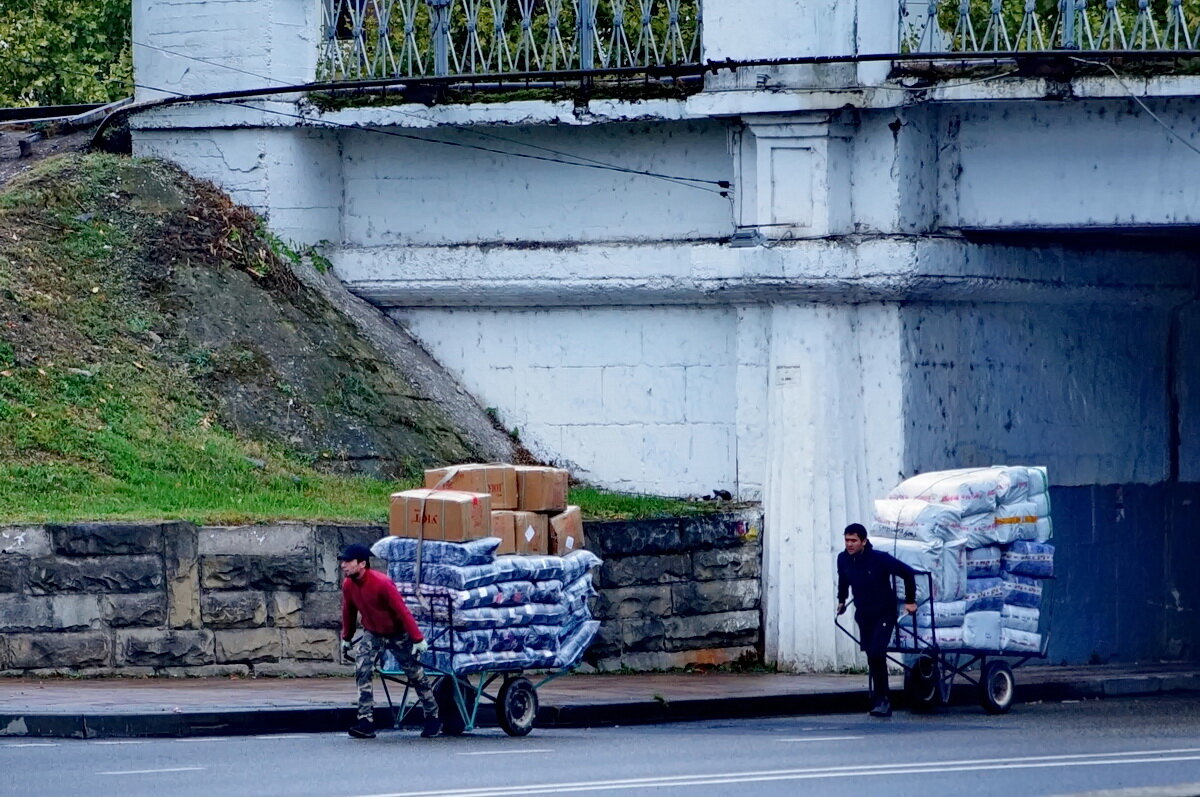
pixel 367 39
pixel 1022 25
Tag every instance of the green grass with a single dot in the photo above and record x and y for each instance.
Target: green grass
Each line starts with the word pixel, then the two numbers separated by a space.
pixel 597 504
pixel 101 415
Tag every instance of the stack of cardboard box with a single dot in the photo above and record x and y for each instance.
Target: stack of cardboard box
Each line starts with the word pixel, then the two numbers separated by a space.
pixel 525 506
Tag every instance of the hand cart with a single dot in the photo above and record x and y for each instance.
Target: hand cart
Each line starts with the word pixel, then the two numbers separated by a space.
pixel 930 669
pixel 459 695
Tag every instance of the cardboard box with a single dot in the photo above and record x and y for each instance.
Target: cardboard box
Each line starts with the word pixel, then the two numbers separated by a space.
pixel 566 532
pixel 504 526
pixel 541 489
pixel 498 480
pixel 451 515
pixel 531 531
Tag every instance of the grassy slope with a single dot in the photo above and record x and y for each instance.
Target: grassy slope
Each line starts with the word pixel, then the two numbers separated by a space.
pixel 101 417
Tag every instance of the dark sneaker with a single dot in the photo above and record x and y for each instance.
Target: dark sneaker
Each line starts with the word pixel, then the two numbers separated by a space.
pixel 883 708
pixel 363 729
pixel 433 726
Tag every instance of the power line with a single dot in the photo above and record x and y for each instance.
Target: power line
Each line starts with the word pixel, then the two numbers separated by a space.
pixel 1133 96
pixel 582 160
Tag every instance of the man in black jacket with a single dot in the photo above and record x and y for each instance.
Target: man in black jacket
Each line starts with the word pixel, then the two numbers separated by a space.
pixel 869 573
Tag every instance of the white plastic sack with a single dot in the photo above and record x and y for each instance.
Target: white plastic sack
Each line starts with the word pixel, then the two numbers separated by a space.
pixel 1021 516
pixel 985 594
pixel 946 638
pixel 946 561
pixel 968 491
pixel 983 562
pixel 1019 618
pixel 1022 591
pixel 1015 641
pixel 1039 479
pixel 1032 559
pixel 1045 530
pixel 913 519
pixel 981 630
pixel 945 614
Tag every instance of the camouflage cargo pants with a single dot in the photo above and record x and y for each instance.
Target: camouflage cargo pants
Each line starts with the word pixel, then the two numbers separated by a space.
pixel 370 649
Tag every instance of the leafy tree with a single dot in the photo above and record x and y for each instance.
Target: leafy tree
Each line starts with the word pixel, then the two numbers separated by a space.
pixel 61 52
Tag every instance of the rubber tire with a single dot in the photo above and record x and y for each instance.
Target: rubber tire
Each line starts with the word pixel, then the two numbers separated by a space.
pixel 517 706
pixel 453 723
pixel 996 687
pixel 922 684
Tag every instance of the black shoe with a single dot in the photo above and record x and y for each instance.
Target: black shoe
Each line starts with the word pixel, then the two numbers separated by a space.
pixel 882 708
pixel 363 729
pixel 433 726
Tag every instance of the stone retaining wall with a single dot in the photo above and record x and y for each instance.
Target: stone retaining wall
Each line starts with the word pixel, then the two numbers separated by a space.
pixel 177 599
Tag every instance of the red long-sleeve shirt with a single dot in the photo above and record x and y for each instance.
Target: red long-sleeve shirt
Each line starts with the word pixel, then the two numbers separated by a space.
pixel 383 611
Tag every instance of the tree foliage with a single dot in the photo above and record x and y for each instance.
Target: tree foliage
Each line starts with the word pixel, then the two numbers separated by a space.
pixel 61 52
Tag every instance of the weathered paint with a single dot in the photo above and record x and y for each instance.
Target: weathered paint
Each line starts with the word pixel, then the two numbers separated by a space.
pixel 872 333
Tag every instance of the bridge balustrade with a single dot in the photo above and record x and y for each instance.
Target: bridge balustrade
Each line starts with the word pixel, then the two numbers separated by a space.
pixel 1003 26
pixel 369 39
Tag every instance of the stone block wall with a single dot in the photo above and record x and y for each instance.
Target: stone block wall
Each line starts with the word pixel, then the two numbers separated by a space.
pixel 177 599
pixel 675 592
pixel 171 598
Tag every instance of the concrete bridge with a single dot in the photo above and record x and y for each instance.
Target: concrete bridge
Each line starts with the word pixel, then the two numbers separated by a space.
pixel 897 248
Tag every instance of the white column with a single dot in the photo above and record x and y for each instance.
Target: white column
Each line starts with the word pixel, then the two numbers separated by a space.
pixel 834 439
pixel 801 171
pixel 193 46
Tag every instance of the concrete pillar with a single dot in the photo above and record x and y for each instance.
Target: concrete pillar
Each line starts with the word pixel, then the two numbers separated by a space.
pixel 834 406
pixel 194 46
pixel 795 175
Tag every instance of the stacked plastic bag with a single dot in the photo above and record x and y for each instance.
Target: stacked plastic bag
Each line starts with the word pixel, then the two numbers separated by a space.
pixel 518 612
pixel 982 534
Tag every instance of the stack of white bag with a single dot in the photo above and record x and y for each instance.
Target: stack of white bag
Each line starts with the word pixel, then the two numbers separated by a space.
pixel 982 535
pixel 513 612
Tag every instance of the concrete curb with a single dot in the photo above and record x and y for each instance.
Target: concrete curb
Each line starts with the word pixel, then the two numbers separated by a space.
pixel 254 721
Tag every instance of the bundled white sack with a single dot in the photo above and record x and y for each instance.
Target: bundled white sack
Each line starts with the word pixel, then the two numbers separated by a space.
pixel 949 638
pixel 913 519
pixel 1045 530
pixel 1015 641
pixel 1019 519
pixel 968 491
pixel 983 562
pixel 947 614
pixel 981 630
pixel 1031 559
pixel 985 594
pixel 1019 618
pixel 945 560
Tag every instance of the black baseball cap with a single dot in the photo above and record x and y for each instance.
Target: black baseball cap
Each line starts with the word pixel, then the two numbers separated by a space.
pixel 355 553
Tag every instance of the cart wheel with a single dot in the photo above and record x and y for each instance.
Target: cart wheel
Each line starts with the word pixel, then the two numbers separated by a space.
pixel 518 706
pixel 996 687
pixel 453 723
pixel 922 683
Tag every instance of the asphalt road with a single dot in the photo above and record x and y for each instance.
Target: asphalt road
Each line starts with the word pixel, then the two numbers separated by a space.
pixel 1061 748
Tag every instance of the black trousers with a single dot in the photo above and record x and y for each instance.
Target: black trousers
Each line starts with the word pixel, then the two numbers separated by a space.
pixel 874 634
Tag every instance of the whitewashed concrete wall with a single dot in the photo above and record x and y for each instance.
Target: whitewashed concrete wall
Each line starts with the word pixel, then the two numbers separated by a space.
pixel 1080 389
pixel 641 399
pixel 401 191
pixel 1007 165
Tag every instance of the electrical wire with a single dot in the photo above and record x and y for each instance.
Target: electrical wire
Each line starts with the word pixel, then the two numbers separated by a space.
pixel 1133 96
pixel 578 160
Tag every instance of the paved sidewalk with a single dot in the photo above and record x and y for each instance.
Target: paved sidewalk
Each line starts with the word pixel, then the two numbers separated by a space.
pixel 223 706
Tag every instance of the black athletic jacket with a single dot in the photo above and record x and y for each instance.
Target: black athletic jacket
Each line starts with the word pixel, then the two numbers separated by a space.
pixel 869 574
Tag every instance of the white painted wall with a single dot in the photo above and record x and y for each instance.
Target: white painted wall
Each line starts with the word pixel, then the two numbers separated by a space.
pixel 401 191
pixel 835 439
pixel 1056 164
pixel 641 399
pixel 202 46
pixel 1080 389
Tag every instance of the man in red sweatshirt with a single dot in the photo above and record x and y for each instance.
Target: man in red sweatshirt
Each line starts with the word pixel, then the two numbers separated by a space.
pixel 387 625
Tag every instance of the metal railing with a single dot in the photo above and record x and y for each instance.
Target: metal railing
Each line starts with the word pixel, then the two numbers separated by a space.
pixel 369 39
pixel 939 26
